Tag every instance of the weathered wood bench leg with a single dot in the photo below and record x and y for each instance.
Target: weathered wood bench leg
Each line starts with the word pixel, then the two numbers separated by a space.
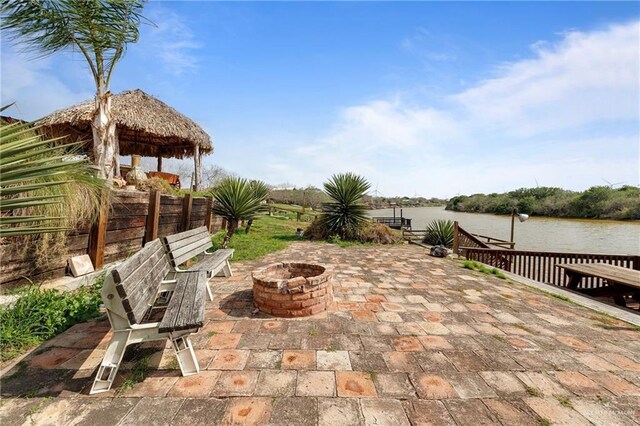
pixel 111 362
pixel 574 280
pixel 209 292
pixel 226 270
pixel 186 356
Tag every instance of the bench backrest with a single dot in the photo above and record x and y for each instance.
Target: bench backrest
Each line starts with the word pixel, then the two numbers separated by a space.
pixel 187 245
pixel 138 279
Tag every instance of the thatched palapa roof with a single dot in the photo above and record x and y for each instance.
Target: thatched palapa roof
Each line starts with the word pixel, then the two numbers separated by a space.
pixel 145 125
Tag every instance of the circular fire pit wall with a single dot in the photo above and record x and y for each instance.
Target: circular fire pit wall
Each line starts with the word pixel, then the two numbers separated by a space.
pixel 292 289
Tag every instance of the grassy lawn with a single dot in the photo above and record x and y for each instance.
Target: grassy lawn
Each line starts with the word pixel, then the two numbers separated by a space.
pixel 268 234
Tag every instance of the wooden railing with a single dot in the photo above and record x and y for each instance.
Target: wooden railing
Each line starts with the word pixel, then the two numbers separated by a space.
pixel 492 241
pixel 397 222
pixel 462 238
pixel 413 234
pixel 541 266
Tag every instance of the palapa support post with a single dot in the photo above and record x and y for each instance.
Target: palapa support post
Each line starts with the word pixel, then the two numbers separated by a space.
pixel 197 163
pixel 98 233
pixel 153 217
pixel 208 219
pixel 187 202
pixel 159 163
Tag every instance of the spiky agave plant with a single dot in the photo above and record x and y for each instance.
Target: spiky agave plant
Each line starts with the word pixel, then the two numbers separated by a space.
pixel 345 215
pixel 440 232
pixel 235 200
pixel 260 191
pixel 44 187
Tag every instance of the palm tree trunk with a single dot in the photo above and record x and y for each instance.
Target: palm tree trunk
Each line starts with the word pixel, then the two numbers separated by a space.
pixel 248 228
pixel 105 140
pixel 232 226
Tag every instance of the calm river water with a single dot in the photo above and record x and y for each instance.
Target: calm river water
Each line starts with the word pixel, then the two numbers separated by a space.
pixel 537 233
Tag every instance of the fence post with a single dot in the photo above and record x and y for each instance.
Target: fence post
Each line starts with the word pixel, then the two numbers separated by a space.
pixel 208 219
pixel 456 238
pixel 151 228
pixel 98 233
pixel 186 212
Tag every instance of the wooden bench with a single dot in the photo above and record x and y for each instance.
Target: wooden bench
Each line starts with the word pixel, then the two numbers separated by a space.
pixel 143 305
pixel 194 243
pixel 621 280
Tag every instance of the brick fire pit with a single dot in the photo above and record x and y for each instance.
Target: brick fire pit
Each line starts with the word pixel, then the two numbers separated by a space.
pixel 292 289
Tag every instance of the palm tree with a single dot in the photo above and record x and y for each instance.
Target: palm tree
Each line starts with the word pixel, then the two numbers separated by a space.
pixel 235 200
pixel 345 214
pixel 100 30
pixel 261 192
pixel 44 188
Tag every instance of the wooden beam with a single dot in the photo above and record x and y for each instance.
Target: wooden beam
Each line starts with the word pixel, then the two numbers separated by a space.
pixel 151 229
pixel 159 163
pixel 456 239
pixel 98 232
pixel 186 212
pixel 208 219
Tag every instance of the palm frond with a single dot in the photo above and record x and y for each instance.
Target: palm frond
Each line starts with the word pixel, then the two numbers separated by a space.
pixel 38 179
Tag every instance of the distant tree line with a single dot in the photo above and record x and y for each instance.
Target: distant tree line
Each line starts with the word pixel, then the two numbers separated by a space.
pixel 307 197
pixel 386 202
pixel 597 202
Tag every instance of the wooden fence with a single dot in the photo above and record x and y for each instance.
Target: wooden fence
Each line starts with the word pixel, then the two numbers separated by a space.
pixel 134 218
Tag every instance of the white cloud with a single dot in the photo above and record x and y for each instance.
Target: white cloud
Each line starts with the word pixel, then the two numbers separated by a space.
pixel 170 39
pixel 586 78
pixel 34 88
pixel 528 122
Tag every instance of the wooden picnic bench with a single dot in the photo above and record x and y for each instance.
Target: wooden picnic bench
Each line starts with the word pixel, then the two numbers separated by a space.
pixel 146 300
pixel 196 243
pixel 621 280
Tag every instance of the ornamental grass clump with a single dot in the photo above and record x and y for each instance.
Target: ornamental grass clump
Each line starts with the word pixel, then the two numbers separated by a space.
pixel 440 232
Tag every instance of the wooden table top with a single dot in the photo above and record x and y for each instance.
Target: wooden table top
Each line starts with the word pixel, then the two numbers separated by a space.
pixel 612 273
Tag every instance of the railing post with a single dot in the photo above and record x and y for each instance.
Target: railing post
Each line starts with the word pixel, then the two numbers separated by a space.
pixel 98 233
pixel 456 239
pixel 186 212
pixel 208 217
pixel 153 216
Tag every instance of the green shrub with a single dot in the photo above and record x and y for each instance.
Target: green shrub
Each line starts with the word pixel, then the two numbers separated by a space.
pixel 440 232
pixel 40 314
pixel 371 232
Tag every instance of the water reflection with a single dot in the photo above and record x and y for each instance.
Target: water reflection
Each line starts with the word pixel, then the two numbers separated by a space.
pixel 538 233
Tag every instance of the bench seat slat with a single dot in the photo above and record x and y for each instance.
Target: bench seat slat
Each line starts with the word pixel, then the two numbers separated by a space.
pixel 138 279
pixel 176 237
pixel 192 250
pixel 211 261
pixel 178 244
pixel 186 307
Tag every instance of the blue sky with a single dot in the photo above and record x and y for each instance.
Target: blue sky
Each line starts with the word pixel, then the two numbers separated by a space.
pixel 433 99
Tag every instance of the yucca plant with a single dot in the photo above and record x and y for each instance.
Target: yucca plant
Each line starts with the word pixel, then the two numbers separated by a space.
pixel 260 191
pixel 235 200
pixel 440 232
pixel 44 187
pixel 345 215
